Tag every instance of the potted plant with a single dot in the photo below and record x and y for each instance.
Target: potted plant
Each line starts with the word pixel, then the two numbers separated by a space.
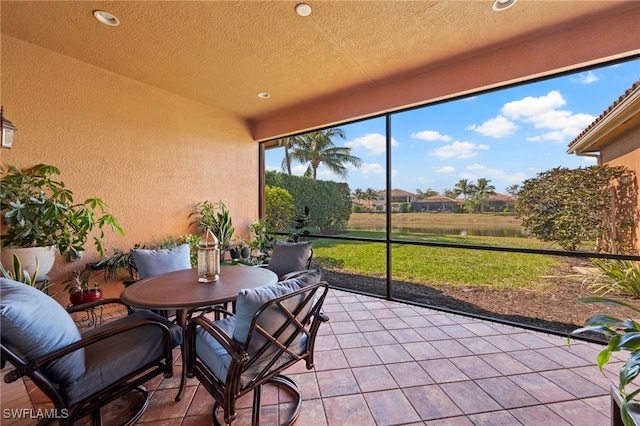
pixel 262 240
pixel 216 217
pixel 622 277
pixel 40 212
pixel 18 273
pixel 79 289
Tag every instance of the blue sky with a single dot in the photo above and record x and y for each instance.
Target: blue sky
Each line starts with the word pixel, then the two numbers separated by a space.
pixel 505 136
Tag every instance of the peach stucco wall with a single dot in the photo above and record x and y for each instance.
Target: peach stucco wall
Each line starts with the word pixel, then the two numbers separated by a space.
pixel 149 154
pixel 625 151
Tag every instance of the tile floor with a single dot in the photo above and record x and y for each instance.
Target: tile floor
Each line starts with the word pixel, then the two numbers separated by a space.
pixel 388 363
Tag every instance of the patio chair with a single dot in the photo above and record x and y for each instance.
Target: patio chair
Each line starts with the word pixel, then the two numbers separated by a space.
pixel 82 372
pixel 289 257
pixel 148 263
pixel 274 327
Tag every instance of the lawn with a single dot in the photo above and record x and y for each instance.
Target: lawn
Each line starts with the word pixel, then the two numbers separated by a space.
pixel 436 265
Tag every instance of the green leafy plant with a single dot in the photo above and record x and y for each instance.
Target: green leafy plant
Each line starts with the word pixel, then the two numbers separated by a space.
pixel 622 335
pixel 568 206
pixel 79 281
pixel 40 211
pixel 216 217
pixel 23 276
pixel 615 275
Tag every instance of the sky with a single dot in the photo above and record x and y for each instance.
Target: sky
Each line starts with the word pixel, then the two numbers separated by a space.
pixel 505 136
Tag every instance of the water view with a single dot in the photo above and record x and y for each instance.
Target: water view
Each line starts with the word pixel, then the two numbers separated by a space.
pixel 480 231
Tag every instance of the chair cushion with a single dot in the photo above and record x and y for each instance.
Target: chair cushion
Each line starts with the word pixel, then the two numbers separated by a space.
pixel 287 257
pixel 248 303
pixel 156 262
pixel 117 356
pixel 310 277
pixel 34 324
pixel 211 352
pixel 216 357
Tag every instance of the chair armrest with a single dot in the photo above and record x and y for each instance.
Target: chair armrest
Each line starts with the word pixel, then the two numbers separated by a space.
pixel 96 303
pixel 87 341
pixel 228 343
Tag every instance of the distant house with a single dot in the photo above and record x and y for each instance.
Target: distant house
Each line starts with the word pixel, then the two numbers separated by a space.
pixel 436 203
pixel 500 202
pixel 614 139
pixel 398 196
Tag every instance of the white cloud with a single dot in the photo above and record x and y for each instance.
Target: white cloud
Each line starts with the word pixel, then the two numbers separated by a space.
pixel 430 135
pixel 559 119
pixel 458 150
pixel 531 106
pixel 444 169
pixel 476 167
pixel 586 78
pixel 298 170
pixel 372 143
pixel 544 114
pixel 497 127
pixel 372 168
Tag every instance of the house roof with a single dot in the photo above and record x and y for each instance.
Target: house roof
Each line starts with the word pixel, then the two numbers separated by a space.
pixel 437 199
pixel 622 115
pixel 346 60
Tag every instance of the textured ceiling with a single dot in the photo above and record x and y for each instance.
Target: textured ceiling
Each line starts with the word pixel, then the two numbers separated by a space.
pixel 223 53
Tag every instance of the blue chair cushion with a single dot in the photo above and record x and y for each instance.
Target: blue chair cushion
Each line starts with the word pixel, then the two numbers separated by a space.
pixel 311 277
pixel 34 324
pixel 288 257
pixel 156 262
pixel 117 356
pixel 248 303
pixel 211 352
pixel 216 357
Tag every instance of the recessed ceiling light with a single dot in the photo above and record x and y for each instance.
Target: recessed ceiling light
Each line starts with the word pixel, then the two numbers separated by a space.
pixel 499 5
pixel 264 95
pixel 106 18
pixel 303 9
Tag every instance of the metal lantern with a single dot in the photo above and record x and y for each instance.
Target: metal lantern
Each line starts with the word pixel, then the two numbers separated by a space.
pixel 208 258
pixel 8 130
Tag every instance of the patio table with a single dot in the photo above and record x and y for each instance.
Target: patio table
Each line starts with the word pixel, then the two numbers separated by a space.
pixel 181 290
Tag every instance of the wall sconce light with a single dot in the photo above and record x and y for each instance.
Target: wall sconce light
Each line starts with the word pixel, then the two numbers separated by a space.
pixel 8 130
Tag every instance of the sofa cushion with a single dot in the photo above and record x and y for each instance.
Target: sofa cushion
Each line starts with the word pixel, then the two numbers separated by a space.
pixel 156 262
pixel 33 324
pixel 287 257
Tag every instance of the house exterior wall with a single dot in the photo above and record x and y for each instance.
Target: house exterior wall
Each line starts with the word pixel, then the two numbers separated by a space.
pixel 148 154
pixel 625 151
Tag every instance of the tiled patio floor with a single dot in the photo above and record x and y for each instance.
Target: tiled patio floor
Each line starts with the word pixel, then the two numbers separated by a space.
pixel 387 363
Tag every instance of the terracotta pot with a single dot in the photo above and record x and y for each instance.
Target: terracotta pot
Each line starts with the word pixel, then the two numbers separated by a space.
pixel 80 297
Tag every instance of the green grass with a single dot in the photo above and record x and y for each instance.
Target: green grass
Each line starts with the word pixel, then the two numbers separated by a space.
pixel 436 265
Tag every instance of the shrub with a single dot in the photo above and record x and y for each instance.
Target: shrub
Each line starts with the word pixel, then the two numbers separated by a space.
pixel 615 275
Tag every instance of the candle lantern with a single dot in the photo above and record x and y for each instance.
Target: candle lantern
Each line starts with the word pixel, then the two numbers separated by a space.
pixel 208 258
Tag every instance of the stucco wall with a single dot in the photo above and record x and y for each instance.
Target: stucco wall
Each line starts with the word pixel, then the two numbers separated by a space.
pixel 625 151
pixel 149 154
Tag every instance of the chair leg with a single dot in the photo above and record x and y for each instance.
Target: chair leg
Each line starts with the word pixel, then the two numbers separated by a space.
pixel 255 416
pixel 96 417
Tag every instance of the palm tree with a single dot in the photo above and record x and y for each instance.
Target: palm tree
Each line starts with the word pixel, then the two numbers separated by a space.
pixel 288 143
pixel 316 148
pixel 481 190
pixel 463 187
pixel 359 194
pixel 370 195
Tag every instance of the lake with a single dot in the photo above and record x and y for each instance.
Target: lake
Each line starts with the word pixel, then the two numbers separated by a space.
pixel 477 230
